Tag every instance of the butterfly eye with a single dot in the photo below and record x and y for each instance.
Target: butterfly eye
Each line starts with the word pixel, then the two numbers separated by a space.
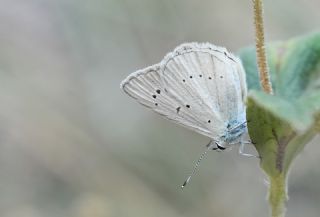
pixel 184 80
pixel 154 96
pixel 220 147
pixel 210 78
pixel 209 121
pixel 188 106
pixel 158 91
pixel 190 76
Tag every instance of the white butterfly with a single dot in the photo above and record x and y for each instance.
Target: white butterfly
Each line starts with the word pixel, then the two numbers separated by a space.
pixel 199 86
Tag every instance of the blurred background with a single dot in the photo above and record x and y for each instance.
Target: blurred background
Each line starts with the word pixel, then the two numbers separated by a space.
pixel 73 144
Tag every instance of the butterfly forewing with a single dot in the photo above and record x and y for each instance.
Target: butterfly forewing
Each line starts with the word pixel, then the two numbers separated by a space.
pixel 199 86
pixel 147 88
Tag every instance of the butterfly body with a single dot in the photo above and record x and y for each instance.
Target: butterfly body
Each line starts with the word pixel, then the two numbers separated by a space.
pixel 199 86
pixel 233 134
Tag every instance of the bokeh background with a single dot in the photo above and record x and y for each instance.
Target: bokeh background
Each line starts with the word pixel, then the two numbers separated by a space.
pixel 73 144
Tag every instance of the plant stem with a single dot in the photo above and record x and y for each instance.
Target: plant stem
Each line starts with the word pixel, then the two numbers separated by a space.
pixel 260 47
pixel 278 195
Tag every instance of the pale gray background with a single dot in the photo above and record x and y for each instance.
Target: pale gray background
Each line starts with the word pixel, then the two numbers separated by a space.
pixel 72 144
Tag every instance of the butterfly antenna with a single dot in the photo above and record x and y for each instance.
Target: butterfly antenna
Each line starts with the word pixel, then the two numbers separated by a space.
pixel 195 168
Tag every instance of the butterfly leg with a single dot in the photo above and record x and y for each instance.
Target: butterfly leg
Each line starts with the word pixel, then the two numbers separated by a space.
pixel 241 149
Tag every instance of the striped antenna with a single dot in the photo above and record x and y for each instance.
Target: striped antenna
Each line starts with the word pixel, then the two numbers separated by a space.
pixel 195 168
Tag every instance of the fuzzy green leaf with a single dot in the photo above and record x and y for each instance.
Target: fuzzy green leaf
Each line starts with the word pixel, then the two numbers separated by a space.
pixel 281 124
pixel 295 75
pixel 276 141
pixel 290 117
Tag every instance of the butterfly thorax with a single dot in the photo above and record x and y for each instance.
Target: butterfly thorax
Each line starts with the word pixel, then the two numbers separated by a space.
pixel 233 133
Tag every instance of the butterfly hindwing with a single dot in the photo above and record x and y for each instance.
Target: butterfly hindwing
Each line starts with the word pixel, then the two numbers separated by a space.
pixel 211 80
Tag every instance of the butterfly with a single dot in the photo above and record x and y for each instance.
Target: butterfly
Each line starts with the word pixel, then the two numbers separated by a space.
pixel 199 86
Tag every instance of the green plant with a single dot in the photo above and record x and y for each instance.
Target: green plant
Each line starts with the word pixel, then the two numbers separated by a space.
pixel 283 115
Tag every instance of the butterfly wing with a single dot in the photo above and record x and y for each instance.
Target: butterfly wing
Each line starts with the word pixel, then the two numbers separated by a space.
pixel 199 86
pixel 147 88
pixel 209 78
